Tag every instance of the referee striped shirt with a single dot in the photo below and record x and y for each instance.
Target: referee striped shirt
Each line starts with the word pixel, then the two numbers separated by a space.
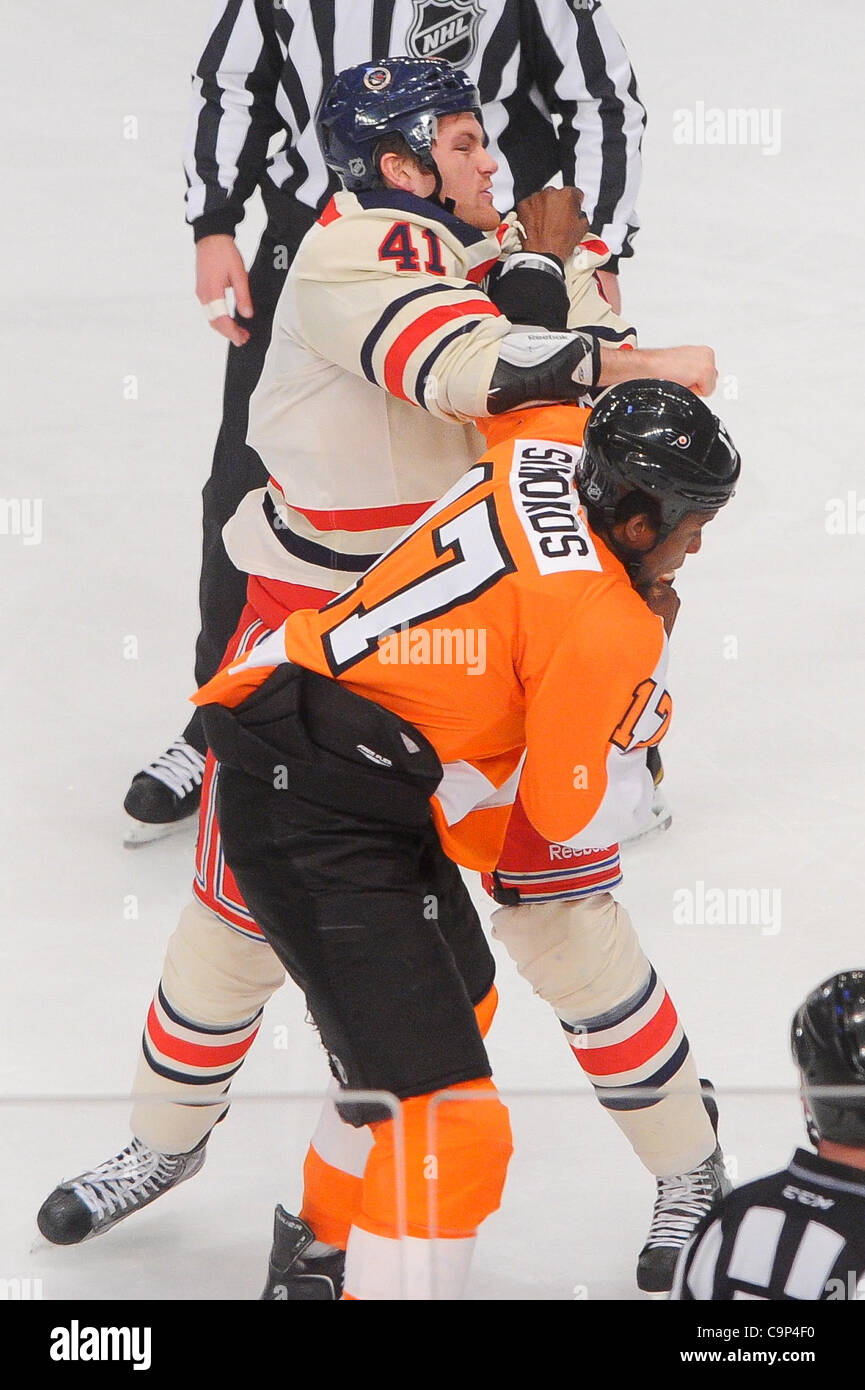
pixel 795 1236
pixel 559 96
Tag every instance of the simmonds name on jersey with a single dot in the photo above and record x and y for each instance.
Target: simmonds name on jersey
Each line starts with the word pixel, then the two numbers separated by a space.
pixel 542 487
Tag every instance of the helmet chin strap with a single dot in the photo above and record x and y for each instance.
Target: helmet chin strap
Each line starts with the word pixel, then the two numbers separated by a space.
pixel 632 561
pixel 436 196
pixel 813 1131
pixel 630 558
pixel 432 168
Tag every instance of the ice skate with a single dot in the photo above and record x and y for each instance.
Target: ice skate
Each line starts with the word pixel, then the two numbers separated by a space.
pixel 301 1269
pixel 660 818
pixel 164 797
pixel 682 1201
pixel 96 1200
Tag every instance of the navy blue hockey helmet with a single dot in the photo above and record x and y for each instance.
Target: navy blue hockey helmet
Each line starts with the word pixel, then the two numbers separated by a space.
pixel 828 1042
pixel 397 96
pixel 657 438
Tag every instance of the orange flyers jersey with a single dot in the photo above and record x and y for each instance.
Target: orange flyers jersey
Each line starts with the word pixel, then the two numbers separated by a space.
pixel 504 629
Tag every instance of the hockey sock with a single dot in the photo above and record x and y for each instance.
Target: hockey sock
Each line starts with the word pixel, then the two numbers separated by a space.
pixel 333 1173
pixel 428 1185
pixel 337 1156
pixel 637 1046
pixel 202 1022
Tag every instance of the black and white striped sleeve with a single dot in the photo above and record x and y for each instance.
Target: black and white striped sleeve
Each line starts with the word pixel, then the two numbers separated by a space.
pixel 234 115
pixel 696 1269
pixel 583 72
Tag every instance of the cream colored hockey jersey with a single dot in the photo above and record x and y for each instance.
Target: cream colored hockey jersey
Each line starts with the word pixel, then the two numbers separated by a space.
pixel 384 344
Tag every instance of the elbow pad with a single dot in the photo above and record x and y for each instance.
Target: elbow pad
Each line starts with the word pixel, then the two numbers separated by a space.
pixel 536 367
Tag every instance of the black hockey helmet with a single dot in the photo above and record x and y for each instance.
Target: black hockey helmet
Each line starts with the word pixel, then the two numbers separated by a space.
pixel 396 96
pixel 660 439
pixel 828 1042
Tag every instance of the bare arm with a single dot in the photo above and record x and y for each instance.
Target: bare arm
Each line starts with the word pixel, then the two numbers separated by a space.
pixel 693 367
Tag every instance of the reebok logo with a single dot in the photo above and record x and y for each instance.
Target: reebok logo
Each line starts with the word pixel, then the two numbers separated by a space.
pixel 374 757
pixel 566 852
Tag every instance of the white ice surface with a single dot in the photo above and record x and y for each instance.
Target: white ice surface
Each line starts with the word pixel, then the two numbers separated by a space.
pixel 757 254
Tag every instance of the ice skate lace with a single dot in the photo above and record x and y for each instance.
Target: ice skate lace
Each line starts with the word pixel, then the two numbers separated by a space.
pixel 680 1203
pixel 180 767
pixel 133 1176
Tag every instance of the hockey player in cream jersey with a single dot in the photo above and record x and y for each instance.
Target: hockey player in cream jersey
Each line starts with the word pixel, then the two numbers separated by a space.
pixel 359 312
pixel 399 323
pixel 389 291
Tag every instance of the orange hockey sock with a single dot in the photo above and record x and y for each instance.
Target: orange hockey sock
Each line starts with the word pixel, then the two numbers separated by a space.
pixel 425 1192
pixel 336 1159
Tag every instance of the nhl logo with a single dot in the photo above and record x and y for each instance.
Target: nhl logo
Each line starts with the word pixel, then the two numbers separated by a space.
pixel 376 79
pixel 356 167
pixel 445 29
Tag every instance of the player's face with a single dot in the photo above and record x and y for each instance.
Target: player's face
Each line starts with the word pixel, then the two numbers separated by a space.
pixel 466 169
pixel 664 559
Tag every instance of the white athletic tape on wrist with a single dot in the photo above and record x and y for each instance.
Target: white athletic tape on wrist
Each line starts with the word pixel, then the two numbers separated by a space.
pixel 216 309
pixel 532 260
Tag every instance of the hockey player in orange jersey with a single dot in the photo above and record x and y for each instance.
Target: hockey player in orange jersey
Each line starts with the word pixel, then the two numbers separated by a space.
pixel 351 778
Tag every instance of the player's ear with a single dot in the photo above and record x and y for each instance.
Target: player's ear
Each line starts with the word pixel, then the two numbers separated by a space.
pixel 638 533
pixel 393 170
pixel 400 171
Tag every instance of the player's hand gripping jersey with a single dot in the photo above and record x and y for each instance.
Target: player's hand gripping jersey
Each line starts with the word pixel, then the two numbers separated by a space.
pixel 387 291
pixel 505 631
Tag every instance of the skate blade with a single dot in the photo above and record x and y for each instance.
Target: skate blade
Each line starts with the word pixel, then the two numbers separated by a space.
pixel 661 1297
pixel 139 832
pixel 654 826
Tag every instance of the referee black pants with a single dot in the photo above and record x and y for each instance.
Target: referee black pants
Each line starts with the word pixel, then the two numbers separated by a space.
pixel 340 864
pixel 236 468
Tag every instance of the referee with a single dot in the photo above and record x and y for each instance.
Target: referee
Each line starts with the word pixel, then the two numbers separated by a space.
pixel 799 1235
pixel 560 99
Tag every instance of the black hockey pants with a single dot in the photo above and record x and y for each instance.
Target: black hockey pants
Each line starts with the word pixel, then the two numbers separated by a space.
pixel 339 861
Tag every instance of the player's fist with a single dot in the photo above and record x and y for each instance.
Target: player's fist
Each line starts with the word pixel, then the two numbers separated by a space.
pixel 219 267
pixel 693 367
pixel 662 599
pixel 553 221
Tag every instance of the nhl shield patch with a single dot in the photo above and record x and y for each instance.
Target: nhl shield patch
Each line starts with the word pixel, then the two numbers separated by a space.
pixel 445 29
